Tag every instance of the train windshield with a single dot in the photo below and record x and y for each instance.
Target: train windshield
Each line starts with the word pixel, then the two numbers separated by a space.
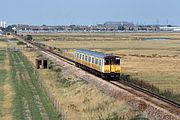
pixel 112 61
pixel 117 61
pixel 106 61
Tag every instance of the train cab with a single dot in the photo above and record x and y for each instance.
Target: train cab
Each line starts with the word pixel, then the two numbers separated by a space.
pixel 112 67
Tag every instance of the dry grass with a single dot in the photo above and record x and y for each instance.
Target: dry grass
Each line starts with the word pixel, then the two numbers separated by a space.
pixel 81 101
pixel 155 61
pixel 3 44
pixel 8 91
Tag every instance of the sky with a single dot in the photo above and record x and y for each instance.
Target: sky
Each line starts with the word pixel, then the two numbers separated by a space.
pixel 89 12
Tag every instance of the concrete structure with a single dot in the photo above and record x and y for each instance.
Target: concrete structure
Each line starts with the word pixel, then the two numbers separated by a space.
pixel 41 63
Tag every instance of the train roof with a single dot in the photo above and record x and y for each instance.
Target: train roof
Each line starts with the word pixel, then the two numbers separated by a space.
pixel 93 53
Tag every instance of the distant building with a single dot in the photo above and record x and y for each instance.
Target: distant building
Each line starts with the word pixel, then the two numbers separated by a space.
pixel 106 27
pixel 113 25
pixel 175 29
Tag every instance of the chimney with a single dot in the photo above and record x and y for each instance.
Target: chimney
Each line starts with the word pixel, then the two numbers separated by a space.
pixel 1 24
pixel 4 25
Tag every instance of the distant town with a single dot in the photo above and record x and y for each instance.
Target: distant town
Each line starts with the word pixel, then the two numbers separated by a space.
pixel 111 26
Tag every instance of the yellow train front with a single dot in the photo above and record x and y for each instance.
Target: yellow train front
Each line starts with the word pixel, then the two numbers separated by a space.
pixel 106 66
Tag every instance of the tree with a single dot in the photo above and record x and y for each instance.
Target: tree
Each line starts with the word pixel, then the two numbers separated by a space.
pixel 28 37
pixel 169 25
pixel 8 29
pixel 121 28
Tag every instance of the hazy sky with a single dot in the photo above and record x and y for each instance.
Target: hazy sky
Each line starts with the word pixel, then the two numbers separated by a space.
pixel 59 12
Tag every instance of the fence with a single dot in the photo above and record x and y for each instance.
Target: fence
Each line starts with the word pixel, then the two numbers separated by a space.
pixel 62 115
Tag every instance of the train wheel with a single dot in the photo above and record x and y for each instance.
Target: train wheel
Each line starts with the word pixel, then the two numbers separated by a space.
pixel 102 76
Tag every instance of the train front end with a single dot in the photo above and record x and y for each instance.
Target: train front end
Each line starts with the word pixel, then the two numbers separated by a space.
pixel 112 67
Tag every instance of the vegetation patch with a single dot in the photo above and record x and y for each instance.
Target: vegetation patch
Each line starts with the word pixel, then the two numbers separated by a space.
pixel 165 93
pixel 2 79
pixel 21 43
pixel 29 96
pixel 3 75
pixel 3 40
pixel 79 99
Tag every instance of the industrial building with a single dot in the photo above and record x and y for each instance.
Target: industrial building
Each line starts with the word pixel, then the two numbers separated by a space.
pixel 3 24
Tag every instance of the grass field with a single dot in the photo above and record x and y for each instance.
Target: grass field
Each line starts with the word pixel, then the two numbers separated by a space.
pixel 154 61
pixel 6 88
pixel 3 75
pixel 3 44
pixel 21 97
pixel 29 102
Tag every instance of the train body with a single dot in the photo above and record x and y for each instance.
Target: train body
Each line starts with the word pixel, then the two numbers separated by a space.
pixel 106 66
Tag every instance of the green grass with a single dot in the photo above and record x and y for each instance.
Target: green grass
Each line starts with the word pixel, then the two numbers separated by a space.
pixel 18 107
pixel 2 79
pixel 3 40
pixel 51 112
pixel 24 90
pixel 2 57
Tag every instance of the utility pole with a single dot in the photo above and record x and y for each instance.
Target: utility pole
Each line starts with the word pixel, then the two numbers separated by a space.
pixel 157 21
pixel 167 22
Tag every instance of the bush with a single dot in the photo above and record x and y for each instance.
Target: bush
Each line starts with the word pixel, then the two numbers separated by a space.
pixel 21 43
pixel 113 116
pixel 139 117
pixel 28 37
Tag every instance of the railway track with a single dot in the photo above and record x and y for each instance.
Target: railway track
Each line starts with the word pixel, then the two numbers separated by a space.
pixel 116 83
pixel 147 92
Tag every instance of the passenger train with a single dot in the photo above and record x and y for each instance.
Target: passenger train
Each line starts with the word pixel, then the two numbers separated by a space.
pixel 106 66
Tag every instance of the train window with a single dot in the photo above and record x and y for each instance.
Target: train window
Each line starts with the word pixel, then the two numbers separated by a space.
pixel 83 57
pixel 92 60
pixel 106 61
pixel 80 56
pixel 117 61
pixel 89 59
pixel 96 62
pixel 86 58
pixel 77 55
pixel 99 62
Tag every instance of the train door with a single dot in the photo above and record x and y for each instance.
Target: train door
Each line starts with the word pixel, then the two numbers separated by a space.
pixel 112 64
pixel 107 65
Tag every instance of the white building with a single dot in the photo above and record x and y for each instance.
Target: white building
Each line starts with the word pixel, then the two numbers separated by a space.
pixel 3 24
pixel 175 29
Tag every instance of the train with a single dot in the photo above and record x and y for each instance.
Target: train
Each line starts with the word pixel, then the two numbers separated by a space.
pixel 106 66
